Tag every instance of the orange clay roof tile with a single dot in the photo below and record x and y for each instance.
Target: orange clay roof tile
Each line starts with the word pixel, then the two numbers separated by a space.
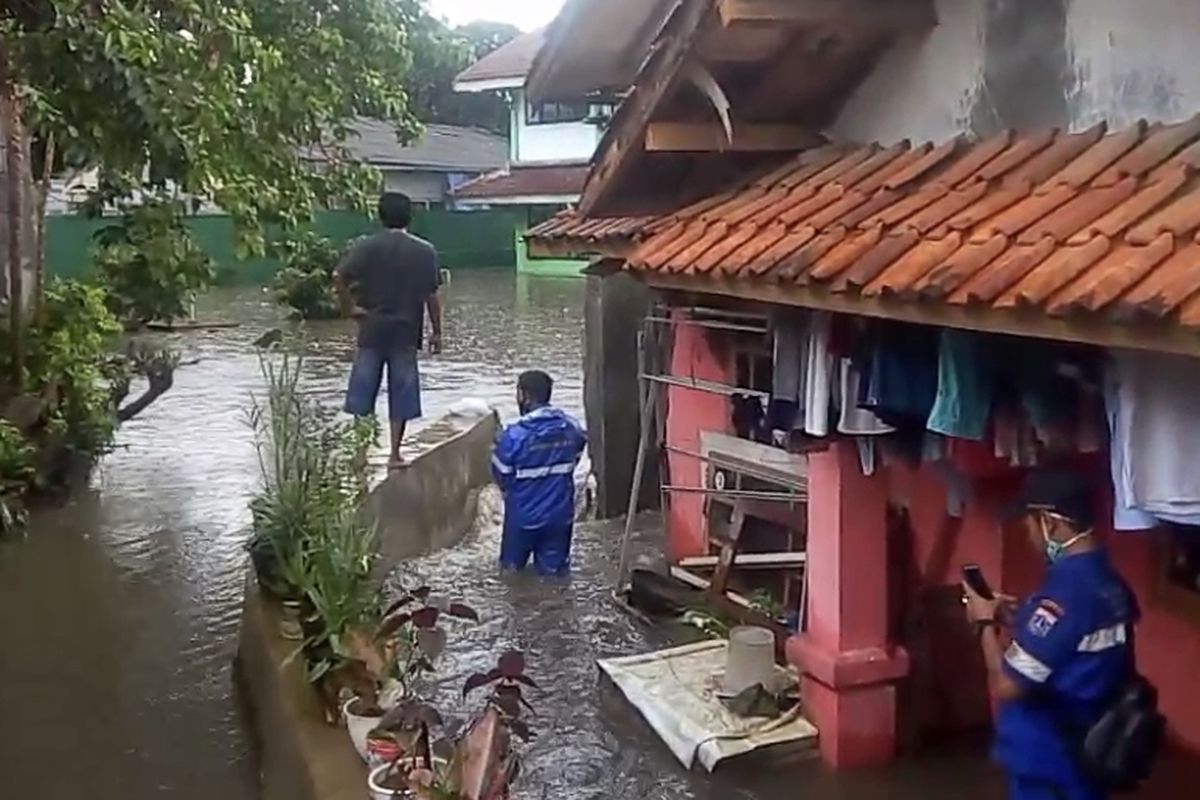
pixel 1017 262
pixel 875 261
pixel 1078 213
pixel 1021 150
pixel 1061 223
pixel 1165 289
pixel 903 275
pixel 1161 144
pixel 795 267
pixel 968 261
pixel 966 169
pixel 1060 269
pixel 1152 196
pixel 845 254
pixel 1122 268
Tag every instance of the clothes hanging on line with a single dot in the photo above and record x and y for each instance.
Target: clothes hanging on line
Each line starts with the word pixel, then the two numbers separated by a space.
pixel 1154 438
pixel 802 386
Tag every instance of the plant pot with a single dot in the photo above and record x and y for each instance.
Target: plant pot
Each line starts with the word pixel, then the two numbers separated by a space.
pixel 380 792
pixel 359 726
pixel 290 627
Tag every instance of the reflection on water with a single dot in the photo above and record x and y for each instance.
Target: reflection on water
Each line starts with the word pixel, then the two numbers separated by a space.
pixel 118 614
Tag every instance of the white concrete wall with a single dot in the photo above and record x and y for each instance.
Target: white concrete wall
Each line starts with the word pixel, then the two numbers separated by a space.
pixel 1134 59
pixel 569 141
pixel 1113 60
pixel 923 88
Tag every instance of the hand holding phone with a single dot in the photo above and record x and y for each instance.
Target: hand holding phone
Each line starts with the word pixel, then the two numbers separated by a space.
pixel 972 576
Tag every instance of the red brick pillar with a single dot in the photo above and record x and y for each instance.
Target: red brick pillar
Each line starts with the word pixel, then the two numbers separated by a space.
pixel 849 666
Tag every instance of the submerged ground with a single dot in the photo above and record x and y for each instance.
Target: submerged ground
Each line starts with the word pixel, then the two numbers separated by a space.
pixel 118 614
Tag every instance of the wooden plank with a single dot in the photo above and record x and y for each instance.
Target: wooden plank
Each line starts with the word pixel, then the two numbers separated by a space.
pixel 755 460
pixel 760 561
pixel 703 137
pixel 698 582
pixel 901 16
pixel 728 553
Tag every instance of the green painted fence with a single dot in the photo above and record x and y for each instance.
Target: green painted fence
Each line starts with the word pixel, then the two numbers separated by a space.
pixel 465 239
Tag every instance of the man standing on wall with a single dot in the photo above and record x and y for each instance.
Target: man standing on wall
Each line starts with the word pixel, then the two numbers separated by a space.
pixel 534 466
pixel 386 282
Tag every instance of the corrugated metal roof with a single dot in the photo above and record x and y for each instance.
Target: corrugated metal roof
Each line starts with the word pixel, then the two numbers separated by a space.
pixel 1062 223
pixel 441 148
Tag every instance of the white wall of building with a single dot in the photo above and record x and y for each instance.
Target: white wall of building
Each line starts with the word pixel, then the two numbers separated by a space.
pixel 531 143
pixel 1032 63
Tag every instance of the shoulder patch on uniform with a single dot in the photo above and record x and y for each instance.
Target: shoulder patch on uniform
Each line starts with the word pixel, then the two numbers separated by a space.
pixel 1052 606
pixel 1044 618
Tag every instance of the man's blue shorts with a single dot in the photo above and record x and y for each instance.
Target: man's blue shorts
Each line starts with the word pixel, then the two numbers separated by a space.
pixel 404 383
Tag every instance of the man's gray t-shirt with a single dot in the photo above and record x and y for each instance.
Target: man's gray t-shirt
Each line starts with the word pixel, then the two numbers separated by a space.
pixel 391 274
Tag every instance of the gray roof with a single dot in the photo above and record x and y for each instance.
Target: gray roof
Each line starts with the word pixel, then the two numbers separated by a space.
pixel 511 61
pixel 442 148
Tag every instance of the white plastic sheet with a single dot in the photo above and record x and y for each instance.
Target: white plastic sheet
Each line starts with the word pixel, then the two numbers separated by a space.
pixel 675 691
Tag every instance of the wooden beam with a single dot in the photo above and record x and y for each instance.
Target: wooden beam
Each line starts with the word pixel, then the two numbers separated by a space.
pixel 618 248
pixel 1164 339
pixel 768 561
pixel 704 137
pixel 621 145
pixel 900 16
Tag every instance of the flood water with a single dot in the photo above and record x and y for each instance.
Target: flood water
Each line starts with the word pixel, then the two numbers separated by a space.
pixel 119 613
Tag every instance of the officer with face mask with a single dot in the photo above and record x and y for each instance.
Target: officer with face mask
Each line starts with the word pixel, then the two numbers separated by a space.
pixel 1056 660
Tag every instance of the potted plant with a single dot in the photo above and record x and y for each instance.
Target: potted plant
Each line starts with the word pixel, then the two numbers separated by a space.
pixel 416 770
pixel 403 650
pixel 487 759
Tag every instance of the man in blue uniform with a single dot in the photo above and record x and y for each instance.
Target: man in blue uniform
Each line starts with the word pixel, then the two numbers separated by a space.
pixel 1070 651
pixel 534 465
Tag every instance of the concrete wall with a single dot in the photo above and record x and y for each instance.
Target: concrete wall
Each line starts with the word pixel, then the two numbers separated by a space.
pixel 992 64
pixel 569 141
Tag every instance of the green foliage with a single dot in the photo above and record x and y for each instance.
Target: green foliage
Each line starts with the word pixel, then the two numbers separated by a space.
pixel 150 264
pixel 309 541
pixel 439 54
pixel 305 284
pixel 220 100
pixel 70 360
pixel 16 455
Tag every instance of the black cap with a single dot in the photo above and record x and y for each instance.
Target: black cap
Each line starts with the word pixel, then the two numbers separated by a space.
pixel 1058 492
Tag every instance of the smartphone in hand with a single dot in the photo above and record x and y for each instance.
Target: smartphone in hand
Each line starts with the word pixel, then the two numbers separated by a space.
pixel 972 576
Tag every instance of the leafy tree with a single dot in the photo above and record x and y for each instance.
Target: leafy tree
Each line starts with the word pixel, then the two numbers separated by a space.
pixel 440 54
pixel 305 284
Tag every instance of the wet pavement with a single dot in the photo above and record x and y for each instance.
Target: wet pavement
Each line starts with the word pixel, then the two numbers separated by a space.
pixel 119 613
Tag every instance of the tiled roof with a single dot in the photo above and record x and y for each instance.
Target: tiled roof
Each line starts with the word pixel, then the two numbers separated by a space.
pixel 527 180
pixel 441 148
pixel 588 235
pixel 1060 223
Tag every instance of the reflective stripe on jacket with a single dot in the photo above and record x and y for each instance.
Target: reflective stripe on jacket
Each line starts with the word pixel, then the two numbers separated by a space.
pixel 534 464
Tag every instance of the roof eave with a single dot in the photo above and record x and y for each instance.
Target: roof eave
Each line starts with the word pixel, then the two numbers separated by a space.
pixel 1156 338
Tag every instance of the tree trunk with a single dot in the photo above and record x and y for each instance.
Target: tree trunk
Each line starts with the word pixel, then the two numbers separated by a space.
pixel 39 250
pixel 16 229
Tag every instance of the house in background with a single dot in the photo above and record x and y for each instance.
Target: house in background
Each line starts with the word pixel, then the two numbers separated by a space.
pixel 428 170
pixel 550 147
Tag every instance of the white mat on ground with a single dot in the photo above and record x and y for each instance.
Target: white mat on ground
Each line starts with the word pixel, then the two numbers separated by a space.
pixel 675 690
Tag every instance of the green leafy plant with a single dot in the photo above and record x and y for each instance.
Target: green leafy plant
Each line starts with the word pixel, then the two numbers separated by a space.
pixel 150 264
pixel 71 364
pixel 16 455
pixel 305 283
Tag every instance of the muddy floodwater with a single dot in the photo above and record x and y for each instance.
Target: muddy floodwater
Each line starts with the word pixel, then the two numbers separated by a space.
pixel 119 613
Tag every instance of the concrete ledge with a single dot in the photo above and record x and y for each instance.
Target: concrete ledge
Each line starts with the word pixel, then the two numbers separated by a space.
pixel 431 505
pixel 849 669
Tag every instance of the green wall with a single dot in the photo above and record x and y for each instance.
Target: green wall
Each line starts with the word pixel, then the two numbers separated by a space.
pixel 465 239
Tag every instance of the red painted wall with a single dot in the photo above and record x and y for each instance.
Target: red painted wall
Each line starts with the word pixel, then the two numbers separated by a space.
pixel 1168 645
pixel 689 412
pixel 951 693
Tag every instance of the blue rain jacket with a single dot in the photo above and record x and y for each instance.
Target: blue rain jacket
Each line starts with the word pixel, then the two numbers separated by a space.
pixel 534 465
pixel 1072 649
